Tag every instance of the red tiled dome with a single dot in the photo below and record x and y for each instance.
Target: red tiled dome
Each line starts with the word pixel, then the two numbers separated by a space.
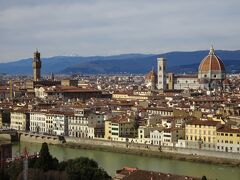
pixel 151 75
pixel 211 63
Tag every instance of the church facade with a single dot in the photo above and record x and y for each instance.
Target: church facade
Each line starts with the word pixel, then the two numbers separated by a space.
pixel 211 75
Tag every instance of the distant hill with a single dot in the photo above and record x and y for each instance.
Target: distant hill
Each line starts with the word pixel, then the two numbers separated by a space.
pixel 178 62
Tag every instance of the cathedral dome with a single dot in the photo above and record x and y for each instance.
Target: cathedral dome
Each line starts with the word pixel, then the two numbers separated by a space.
pixel 151 76
pixel 211 63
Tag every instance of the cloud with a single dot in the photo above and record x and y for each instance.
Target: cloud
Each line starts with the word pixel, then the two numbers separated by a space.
pixel 105 27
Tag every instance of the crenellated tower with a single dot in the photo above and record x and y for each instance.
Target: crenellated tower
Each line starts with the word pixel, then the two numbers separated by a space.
pixel 37 66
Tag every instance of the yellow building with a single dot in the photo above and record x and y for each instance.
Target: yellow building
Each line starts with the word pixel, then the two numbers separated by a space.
pixel 201 134
pixel 228 140
pixel 107 127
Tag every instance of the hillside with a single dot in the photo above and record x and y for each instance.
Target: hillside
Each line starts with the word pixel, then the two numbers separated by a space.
pixel 178 62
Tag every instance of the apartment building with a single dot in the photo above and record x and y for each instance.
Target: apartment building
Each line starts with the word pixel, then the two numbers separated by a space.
pixel 20 120
pixel 38 122
pixel 201 134
pixel 121 126
pixel 228 140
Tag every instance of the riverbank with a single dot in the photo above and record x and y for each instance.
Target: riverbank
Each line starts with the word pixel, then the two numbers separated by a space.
pixel 147 153
pixel 111 161
pixel 191 155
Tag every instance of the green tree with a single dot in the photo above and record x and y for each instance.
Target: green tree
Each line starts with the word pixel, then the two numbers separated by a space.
pixel 204 178
pixel 85 169
pixel 45 161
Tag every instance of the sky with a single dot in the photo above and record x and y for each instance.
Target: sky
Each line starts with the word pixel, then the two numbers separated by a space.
pixel 109 27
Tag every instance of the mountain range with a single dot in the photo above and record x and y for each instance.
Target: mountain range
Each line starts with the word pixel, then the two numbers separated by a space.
pixel 178 62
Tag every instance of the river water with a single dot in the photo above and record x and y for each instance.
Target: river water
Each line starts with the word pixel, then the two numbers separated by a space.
pixel 112 161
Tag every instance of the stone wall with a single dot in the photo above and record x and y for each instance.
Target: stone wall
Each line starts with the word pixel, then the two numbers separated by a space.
pixel 218 154
pixel 151 148
pixel 6 137
pixel 28 137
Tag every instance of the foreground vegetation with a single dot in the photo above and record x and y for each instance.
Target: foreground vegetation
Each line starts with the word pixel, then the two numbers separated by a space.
pixel 48 168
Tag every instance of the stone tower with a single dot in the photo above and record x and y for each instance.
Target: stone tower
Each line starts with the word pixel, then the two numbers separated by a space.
pixel 161 73
pixel 11 93
pixel 170 81
pixel 36 66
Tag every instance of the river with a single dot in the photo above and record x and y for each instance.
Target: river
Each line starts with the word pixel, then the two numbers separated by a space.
pixel 112 161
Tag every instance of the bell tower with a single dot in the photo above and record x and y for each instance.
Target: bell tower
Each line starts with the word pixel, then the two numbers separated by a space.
pixel 36 66
pixel 162 73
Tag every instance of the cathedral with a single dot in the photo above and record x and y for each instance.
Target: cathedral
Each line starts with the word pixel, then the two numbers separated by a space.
pixel 211 75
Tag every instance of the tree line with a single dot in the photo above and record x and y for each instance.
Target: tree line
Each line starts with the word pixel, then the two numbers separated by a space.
pixel 48 168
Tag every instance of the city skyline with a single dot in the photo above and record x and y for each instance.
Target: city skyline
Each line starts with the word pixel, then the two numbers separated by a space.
pixel 121 90
pixel 108 28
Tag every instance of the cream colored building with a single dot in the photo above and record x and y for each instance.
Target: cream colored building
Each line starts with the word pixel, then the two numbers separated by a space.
pixel 40 92
pixel 59 123
pixel 166 136
pixel 19 120
pixel 86 124
pixel 78 125
pixel 38 122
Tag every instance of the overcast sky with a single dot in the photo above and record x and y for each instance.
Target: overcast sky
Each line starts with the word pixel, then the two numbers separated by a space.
pixel 106 27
